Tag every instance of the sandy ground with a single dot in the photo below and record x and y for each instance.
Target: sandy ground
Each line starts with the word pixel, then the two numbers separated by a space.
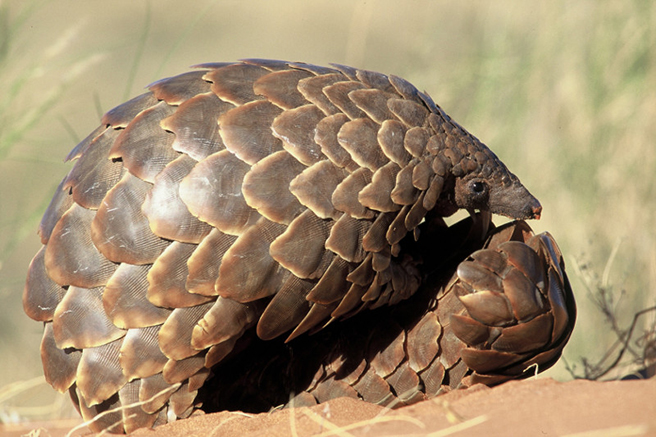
pixel 534 407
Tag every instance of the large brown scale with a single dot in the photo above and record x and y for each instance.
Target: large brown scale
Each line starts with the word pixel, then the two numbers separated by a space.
pixel 261 233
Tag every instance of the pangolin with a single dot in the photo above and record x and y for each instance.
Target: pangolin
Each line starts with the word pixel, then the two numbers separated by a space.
pixel 262 233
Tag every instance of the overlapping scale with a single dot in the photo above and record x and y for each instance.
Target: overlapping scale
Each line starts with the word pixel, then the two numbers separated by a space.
pixel 390 137
pixel 317 315
pixel 432 378
pixel 248 272
pixel 373 102
pixel 177 89
pixel 314 69
pixel 99 374
pixel 376 195
pixel 346 238
pixel 154 391
pixel 412 114
pixel 175 334
pixel 374 240
pixel 134 417
pixel 80 320
pixel 312 89
pixel 266 187
pixel 359 138
pixel 119 229
pixel 281 88
pixel 421 175
pixel 295 128
pixel 423 339
pixel 176 371
pixel 388 354
pixel 405 89
pixel 212 191
pixel 167 279
pixel 167 214
pixel 338 95
pixel 59 364
pixel 41 294
pixel 363 274
pixel 523 295
pixel 314 188
pixel 140 355
pixel 404 192
pixel 105 416
pixel 181 401
pixel 373 388
pixel 349 72
pixel 224 320
pixel 351 303
pixel 333 389
pixel 345 196
pixel 374 79
pixel 60 203
pixel 416 214
pixel 286 310
pixel 143 146
pixel 301 248
pixel 123 114
pixel 326 136
pixel 246 131
pixel 397 230
pixel 405 383
pixel 330 287
pixel 125 299
pixel 204 262
pixel 195 126
pixel 234 83
pixel 433 192
pixel 525 260
pixel 269 64
pixel 71 258
pixel 526 337
pixel 94 173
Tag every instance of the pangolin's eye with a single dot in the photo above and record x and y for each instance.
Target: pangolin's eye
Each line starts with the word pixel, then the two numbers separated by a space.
pixel 478 187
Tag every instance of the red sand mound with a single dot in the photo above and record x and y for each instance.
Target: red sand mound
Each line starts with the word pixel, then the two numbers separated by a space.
pixel 532 407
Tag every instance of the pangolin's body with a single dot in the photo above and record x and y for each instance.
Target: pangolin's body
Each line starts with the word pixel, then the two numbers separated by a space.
pixel 262 200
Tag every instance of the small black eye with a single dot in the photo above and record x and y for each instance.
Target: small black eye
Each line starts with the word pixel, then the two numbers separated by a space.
pixel 477 187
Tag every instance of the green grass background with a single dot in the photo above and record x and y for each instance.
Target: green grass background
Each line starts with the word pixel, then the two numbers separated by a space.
pixel 564 92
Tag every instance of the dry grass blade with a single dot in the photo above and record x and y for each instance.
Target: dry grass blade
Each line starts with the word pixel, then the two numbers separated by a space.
pixel 170 389
pixel 292 416
pixel 15 411
pixel 620 431
pixel 24 121
pixel 323 421
pixel 534 366
pixel 40 432
pixel 216 431
pixel 460 427
pixel 11 390
pixel 343 430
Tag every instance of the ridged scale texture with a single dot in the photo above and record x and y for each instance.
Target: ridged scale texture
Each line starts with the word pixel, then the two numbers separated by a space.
pixel 268 199
pixel 447 336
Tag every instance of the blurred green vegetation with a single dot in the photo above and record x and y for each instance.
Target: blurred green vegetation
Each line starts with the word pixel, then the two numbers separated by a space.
pixel 564 92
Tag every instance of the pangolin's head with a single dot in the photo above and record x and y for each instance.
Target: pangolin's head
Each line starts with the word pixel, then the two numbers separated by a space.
pixel 502 193
pixel 483 182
